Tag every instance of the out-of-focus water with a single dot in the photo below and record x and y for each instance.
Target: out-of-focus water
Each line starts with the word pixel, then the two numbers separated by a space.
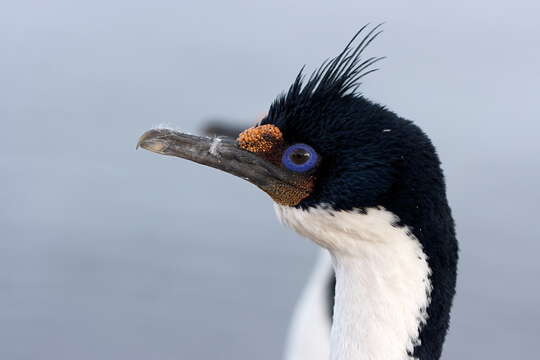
pixel 111 253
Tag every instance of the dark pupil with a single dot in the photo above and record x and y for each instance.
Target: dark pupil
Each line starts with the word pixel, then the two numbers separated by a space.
pixel 299 156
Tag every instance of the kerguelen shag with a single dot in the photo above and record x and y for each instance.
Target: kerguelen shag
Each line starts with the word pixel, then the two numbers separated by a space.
pixel 365 185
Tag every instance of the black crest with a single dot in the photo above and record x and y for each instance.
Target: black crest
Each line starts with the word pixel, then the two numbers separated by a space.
pixel 336 77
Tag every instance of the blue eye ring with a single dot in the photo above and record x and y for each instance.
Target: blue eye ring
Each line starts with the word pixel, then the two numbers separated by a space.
pixel 300 158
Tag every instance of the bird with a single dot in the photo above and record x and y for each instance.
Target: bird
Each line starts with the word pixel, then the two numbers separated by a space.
pixel 364 184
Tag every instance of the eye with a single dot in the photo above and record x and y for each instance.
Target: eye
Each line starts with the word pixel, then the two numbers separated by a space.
pixel 300 158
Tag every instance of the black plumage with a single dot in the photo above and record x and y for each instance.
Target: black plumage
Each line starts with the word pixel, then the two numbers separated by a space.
pixel 371 157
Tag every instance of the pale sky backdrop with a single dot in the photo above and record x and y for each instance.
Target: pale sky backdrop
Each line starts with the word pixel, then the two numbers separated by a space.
pixel 111 253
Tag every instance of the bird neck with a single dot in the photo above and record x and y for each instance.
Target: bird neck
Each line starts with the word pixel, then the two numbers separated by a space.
pixel 378 310
pixel 382 280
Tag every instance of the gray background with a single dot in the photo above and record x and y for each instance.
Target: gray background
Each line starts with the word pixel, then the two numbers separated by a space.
pixel 111 253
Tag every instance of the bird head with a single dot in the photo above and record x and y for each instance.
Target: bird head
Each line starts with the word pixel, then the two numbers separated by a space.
pixel 323 144
pixel 320 143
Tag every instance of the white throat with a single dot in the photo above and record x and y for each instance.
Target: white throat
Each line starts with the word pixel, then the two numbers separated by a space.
pixel 382 280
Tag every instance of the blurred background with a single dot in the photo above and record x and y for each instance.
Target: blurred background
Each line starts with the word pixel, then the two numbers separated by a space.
pixel 111 253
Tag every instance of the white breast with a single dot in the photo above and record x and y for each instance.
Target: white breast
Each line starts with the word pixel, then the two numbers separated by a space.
pixel 383 287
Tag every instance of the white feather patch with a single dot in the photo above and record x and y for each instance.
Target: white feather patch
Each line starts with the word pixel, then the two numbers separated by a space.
pixel 383 286
pixel 214 146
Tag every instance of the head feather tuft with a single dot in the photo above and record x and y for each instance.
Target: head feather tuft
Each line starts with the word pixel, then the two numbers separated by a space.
pixel 336 77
